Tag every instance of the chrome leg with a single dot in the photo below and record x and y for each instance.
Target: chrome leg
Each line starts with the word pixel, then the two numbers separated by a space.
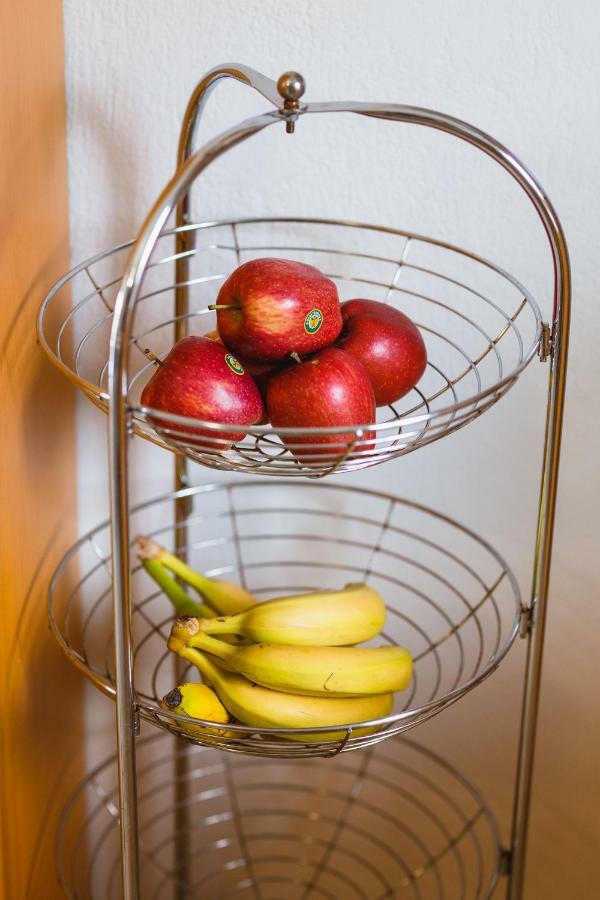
pixel 538 607
pixel 127 721
pixel 182 510
pixel 182 806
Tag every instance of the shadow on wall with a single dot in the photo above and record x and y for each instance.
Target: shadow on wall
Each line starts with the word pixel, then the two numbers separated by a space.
pixel 115 190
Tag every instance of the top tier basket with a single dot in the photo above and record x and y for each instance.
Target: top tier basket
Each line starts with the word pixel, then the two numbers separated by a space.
pixel 481 326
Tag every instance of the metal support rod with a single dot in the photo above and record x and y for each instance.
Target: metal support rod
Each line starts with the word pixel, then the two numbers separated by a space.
pixel 126 713
pixel 181 512
pixel 539 598
pixel 182 805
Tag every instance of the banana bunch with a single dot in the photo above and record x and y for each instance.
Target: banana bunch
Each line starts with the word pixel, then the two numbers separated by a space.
pixel 284 663
pixel 265 708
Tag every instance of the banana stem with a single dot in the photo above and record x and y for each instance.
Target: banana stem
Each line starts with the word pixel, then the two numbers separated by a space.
pixel 221 597
pixel 223 624
pixel 203 641
pixel 149 549
pixel 208 669
pixel 153 357
pixel 179 567
pixel 183 603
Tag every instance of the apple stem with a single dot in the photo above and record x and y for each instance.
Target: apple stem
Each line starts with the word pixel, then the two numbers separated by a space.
pixel 223 306
pixel 153 357
pixel 295 357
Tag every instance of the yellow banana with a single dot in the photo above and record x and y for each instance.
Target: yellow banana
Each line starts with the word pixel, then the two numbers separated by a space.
pixel 224 597
pixel 265 708
pixel 316 671
pixel 199 702
pixel 326 619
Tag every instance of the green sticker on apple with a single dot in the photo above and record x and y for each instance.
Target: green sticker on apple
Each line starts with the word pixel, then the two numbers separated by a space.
pixel 234 364
pixel 313 321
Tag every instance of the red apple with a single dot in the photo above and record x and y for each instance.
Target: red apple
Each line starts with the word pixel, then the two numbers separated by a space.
pixel 269 308
pixel 201 379
pixel 387 343
pixel 261 372
pixel 256 369
pixel 327 390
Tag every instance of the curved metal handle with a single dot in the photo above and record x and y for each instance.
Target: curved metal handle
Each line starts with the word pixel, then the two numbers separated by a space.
pixel 285 94
pixel 203 90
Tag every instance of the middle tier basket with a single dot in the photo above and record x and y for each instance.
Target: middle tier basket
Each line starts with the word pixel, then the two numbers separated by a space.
pixel 451 599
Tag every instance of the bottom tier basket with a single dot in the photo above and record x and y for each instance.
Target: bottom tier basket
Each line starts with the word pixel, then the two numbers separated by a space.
pixel 392 821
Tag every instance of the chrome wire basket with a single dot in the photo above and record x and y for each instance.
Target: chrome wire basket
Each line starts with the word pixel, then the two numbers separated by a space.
pixel 451 599
pixel 480 325
pixel 397 821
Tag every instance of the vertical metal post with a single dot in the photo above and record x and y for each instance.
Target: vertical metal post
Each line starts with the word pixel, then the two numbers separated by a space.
pixel 181 513
pixel 541 574
pixel 125 697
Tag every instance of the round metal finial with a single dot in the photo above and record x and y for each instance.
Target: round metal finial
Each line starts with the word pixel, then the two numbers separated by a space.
pixel 291 87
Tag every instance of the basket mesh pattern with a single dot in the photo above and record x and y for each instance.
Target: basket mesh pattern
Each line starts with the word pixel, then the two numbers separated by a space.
pixel 451 600
pixel 481 328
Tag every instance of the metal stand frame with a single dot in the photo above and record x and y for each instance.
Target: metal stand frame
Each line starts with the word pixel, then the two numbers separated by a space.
pixel 285 98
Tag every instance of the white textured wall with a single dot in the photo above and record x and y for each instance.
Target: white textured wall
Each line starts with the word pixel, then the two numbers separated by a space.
pixel 526 72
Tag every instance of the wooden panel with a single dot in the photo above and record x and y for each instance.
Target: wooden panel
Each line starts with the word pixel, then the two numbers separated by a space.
pixel 41 695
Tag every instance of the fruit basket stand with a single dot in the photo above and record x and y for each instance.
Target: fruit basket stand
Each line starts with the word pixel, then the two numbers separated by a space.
pixel 232 829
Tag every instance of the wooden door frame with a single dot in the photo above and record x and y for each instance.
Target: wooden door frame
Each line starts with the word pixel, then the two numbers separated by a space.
pixel 41 695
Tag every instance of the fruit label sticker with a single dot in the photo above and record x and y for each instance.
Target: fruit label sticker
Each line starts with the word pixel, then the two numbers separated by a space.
pixel 234 364
pixel 313 321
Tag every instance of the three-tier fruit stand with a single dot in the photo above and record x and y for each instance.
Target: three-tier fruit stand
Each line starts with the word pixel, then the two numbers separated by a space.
pixel 173 815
